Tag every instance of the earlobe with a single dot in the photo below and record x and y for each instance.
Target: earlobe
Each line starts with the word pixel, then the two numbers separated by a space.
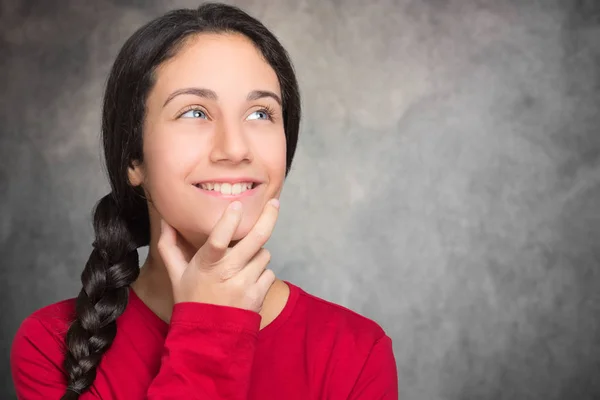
pixel 135 174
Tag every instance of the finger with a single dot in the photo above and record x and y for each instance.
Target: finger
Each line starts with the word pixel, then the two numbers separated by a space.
pixel 260 233
pixel 172 256
pixel 218 241
pixel 253 269
pixel 266 280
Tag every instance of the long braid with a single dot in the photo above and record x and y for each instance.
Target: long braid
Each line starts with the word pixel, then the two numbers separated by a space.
pixel 113 266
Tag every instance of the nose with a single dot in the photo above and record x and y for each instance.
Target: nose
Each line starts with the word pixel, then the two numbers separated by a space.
pixel 230 144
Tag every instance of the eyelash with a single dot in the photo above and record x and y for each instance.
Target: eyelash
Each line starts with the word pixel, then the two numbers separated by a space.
pixel 191 108
pixel 265 108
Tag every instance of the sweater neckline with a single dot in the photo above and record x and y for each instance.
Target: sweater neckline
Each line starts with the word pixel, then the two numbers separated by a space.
pixel 136 302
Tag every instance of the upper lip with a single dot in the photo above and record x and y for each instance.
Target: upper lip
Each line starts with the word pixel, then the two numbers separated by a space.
pixel 228 180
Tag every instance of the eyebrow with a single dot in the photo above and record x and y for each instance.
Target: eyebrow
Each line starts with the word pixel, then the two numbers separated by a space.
pixel 261 94
pixel 211 95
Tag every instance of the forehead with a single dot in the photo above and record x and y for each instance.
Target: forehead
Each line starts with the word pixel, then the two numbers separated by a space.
pixel 224 63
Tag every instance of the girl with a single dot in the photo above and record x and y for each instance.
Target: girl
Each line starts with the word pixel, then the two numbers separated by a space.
pixel 200 124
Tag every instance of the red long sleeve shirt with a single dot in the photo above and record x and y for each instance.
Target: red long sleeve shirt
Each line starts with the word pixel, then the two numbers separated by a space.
pixel 313 350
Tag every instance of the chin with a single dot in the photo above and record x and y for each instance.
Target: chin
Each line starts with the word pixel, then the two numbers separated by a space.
pixel 243 229
pixel 197 235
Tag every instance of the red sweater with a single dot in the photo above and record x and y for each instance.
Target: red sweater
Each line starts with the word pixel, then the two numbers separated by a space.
pixel 313 350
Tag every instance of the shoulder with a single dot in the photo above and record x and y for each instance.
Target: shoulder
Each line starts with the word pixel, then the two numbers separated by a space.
pixel 54 318
pixel 41 334
pixel 339 321
pixel 348 347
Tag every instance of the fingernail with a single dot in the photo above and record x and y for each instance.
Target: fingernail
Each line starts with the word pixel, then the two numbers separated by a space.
pixel 236 205
pixel 274 202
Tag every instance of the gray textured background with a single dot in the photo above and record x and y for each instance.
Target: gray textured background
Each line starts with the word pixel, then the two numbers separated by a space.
pixel 447 181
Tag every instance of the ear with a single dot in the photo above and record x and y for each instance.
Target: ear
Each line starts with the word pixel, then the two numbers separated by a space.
pixel 135 173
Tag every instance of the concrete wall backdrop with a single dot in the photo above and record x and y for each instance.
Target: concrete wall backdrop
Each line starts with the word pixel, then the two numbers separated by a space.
pixel 447 182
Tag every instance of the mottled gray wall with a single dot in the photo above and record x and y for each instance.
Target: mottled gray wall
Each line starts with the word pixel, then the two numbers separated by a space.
pixel 447 181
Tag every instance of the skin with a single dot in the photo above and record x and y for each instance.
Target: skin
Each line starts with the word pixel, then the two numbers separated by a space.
pixel 208 136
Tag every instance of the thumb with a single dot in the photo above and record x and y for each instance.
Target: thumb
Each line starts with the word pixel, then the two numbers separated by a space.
pixel 170 252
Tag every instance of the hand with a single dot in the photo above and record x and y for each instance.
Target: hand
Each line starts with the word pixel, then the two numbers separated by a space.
pixel 217 274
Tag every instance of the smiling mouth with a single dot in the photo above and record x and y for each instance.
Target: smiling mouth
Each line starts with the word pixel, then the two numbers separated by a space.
pixel 227 189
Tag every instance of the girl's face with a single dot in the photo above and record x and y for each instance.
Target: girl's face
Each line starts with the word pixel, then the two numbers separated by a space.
pixel 213 133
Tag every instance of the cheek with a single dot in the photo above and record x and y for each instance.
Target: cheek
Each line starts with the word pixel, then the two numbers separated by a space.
pixel 170 159
pixel 271 150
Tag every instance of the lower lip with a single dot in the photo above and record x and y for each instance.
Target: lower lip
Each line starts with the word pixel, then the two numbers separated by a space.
pixel 214 193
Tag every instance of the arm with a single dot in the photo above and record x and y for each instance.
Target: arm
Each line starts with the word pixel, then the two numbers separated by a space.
pixel 208 354
pixel 378 379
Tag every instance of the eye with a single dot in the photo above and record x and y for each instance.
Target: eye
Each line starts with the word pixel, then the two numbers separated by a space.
pixel 195 113
pixel 260 114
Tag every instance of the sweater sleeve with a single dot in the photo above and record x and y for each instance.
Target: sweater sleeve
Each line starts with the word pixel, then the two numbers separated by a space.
pixel 208 354
pixel 378 379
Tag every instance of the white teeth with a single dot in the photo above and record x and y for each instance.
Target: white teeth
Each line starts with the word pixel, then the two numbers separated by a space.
pixel 227 188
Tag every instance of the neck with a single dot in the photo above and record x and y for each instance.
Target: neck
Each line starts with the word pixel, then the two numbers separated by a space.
pixel 153 287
